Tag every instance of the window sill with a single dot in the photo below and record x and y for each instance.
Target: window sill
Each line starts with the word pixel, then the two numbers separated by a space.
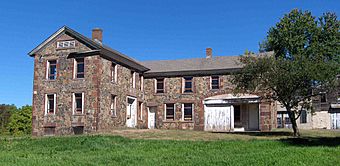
pixel 187 93
pixel 78 114
pixel 177 121
pixel 159 94
pixel 48 80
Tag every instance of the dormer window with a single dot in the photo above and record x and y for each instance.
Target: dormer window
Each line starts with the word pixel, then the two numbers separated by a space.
pixel 66 44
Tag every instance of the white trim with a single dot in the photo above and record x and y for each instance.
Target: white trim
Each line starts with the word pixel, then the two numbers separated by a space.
pixel 47 69
pixel 182 112
pixel 74 68
pixel 68 42
pixel 134 80
pixel 116 73
pixel 82 101
pixel 155 85
pixel 141 111
pixel 142 83
pixel 183 84
pixel 210 82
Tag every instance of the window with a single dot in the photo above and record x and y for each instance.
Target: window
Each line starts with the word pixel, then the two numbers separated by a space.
pixel 215 82
pixel 160 85
pixel 66 44
pixel 51 69
pixel 50 104
pixel 187 113
pixel 237 113
pixel 113 106
pixel 133 79
pixel 170 111
pixel 79 68
pixel 78 103
pixel 188 84
pixel 303 116
pixel 323 98
pixel 114 72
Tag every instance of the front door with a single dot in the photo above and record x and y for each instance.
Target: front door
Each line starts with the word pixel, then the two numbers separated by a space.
pixel 151 117
pixel 253 112
pixel 131 112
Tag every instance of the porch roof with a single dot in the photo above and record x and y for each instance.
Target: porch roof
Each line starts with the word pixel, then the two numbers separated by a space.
pixel 232 98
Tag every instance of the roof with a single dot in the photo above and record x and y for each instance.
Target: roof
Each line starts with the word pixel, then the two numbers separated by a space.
pixel 216 63
pixel 232 98
pixel 103 50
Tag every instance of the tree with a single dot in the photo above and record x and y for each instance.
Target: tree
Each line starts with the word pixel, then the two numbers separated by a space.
pixel 5 113
pixel 303 62
pixel 20 122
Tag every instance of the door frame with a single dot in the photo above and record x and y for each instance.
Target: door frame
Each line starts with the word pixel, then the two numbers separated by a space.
pixel 153 112
pixel 134 102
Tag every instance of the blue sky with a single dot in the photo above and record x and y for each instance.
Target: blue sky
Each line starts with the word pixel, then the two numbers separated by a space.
pixel 144 30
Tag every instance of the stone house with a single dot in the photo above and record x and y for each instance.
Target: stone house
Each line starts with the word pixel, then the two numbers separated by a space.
pixel 83 86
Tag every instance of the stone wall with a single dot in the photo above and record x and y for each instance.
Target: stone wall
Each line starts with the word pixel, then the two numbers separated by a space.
pixel 201 90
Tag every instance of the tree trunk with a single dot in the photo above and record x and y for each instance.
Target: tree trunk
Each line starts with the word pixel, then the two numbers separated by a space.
pixel 294 125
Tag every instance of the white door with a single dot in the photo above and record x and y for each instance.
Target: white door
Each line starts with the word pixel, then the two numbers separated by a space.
pixel 335 120
pixel 217 118
pixel 253 110
pixel 151 118
pixel 131 112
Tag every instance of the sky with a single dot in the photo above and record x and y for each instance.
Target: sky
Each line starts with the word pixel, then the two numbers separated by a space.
pixel 142 29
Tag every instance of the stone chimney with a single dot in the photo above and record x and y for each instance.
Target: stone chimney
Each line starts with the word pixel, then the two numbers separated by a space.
pixel 97 34
pixel 208 52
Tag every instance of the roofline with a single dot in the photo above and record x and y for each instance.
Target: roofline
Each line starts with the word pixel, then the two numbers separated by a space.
pixel 191 73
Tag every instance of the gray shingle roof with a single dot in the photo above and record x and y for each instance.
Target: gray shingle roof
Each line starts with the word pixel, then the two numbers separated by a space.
pixel 194 64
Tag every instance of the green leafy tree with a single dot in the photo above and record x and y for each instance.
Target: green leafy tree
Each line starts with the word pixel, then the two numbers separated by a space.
pixel 21 121
pixel 5 113
pixel 304 62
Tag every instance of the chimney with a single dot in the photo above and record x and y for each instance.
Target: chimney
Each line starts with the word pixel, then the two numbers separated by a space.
pixel 97 34
pixel 208 52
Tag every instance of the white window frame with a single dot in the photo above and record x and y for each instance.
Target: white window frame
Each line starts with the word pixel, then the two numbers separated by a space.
pixel 174 106
pixel 142 83
pixel 113 106
pixel 134 80
pixel 114 75
pixel 192 111
pixel 74 103
pixel 48 69
pixel 46 103
pixel 75 68
pixel 219 82
pixel 61 44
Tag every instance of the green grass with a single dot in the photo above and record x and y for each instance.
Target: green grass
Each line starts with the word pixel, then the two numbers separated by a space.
pixel 118 150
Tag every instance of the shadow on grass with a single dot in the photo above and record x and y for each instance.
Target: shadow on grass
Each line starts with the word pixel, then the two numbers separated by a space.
pixel 312 141
pixel 257 133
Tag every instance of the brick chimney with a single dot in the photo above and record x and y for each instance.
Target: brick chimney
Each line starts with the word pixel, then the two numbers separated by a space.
pixel 97 34
pixel 208 52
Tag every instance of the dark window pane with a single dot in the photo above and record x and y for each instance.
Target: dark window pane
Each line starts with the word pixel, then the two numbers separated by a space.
pixel 80 68
pixel 160 86
pixel 237 113
pixel 188 111
pixel 79 101
pixel 50 104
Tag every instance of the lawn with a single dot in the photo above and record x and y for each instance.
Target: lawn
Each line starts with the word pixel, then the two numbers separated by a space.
pixel 160 147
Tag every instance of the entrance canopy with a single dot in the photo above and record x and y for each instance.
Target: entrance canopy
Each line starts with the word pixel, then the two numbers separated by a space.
pixel 231 98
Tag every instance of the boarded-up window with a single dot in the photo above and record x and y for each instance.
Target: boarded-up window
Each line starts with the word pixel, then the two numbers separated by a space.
pixel 160 85
pixel 78 130
pixel 170 111
pixel 215 82
pixel 80 68
pixel 188 84
pixel 188 111
pixel 52 70
pixel 49 131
